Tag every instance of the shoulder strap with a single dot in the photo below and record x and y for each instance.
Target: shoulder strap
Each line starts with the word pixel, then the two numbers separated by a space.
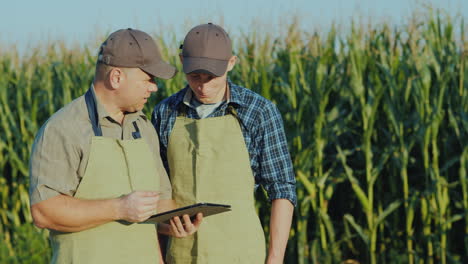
pixel 232 111
pixel 182 110
pixel 92 113
pixel 136 134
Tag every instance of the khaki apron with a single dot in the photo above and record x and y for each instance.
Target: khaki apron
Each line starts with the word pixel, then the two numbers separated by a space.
pixel 115 168
pixel 209 162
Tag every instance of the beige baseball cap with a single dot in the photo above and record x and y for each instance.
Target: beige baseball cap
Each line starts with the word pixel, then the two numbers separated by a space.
pixel 131 48
pixel 206 48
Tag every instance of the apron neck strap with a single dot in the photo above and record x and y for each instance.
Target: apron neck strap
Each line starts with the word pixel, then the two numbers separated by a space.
pixel 182 110
pixel 92 113
pixel 231 110
pixel 136 134
pixel 93 116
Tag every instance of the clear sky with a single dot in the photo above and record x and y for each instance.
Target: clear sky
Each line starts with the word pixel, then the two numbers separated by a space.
pixel 28 22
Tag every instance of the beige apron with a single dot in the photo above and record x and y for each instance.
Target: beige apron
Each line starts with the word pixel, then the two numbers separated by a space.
pixel 209 162
pixel 115 168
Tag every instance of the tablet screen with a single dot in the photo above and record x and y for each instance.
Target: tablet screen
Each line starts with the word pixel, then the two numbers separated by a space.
pixel 206 208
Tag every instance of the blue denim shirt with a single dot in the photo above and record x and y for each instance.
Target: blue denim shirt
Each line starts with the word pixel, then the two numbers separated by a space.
pixel 263 131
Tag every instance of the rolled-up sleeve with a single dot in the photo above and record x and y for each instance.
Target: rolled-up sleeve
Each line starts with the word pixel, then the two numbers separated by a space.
pixel 53 165
pixel 276 172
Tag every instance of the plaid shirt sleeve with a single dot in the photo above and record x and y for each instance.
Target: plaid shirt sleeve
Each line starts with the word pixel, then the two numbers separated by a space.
pixel 275 173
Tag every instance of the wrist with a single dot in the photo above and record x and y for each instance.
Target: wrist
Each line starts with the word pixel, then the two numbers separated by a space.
pixel 116 205
pixel 274 259
pixel 275 255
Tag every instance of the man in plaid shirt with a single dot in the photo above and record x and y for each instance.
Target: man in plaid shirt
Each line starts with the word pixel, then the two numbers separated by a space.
pixel 218 142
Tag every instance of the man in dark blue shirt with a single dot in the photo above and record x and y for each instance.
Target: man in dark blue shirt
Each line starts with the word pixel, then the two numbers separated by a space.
pixel 218 142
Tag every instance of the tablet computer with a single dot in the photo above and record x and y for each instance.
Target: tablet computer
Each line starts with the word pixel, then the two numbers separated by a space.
pixel 206 208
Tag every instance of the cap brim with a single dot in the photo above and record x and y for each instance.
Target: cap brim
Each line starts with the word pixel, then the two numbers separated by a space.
pixel 161 70
pixel 213 66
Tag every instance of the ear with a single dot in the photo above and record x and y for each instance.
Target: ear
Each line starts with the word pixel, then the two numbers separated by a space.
pixel 232 62
pixel 116 77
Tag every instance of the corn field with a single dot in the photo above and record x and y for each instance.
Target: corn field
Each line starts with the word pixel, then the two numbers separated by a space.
pixel 376 119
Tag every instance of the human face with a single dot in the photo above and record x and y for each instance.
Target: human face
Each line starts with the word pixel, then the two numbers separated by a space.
pixel 136 90
pixel 207 88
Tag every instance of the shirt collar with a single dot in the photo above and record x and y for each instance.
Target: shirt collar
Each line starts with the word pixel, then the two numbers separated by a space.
pixel 237 94
pixel 185 95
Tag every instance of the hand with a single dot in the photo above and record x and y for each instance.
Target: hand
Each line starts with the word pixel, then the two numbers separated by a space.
pixel 137 206
pixel 180 230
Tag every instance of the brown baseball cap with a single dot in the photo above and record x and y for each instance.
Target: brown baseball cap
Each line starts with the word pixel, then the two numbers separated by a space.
pixel 131 48
pixel 206 48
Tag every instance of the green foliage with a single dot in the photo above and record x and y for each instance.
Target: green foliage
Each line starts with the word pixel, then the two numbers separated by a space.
pixel 30 246
pixel 376 120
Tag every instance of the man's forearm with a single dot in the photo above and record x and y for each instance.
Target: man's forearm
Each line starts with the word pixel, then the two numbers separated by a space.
pixel 280 224
pixel 68 214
